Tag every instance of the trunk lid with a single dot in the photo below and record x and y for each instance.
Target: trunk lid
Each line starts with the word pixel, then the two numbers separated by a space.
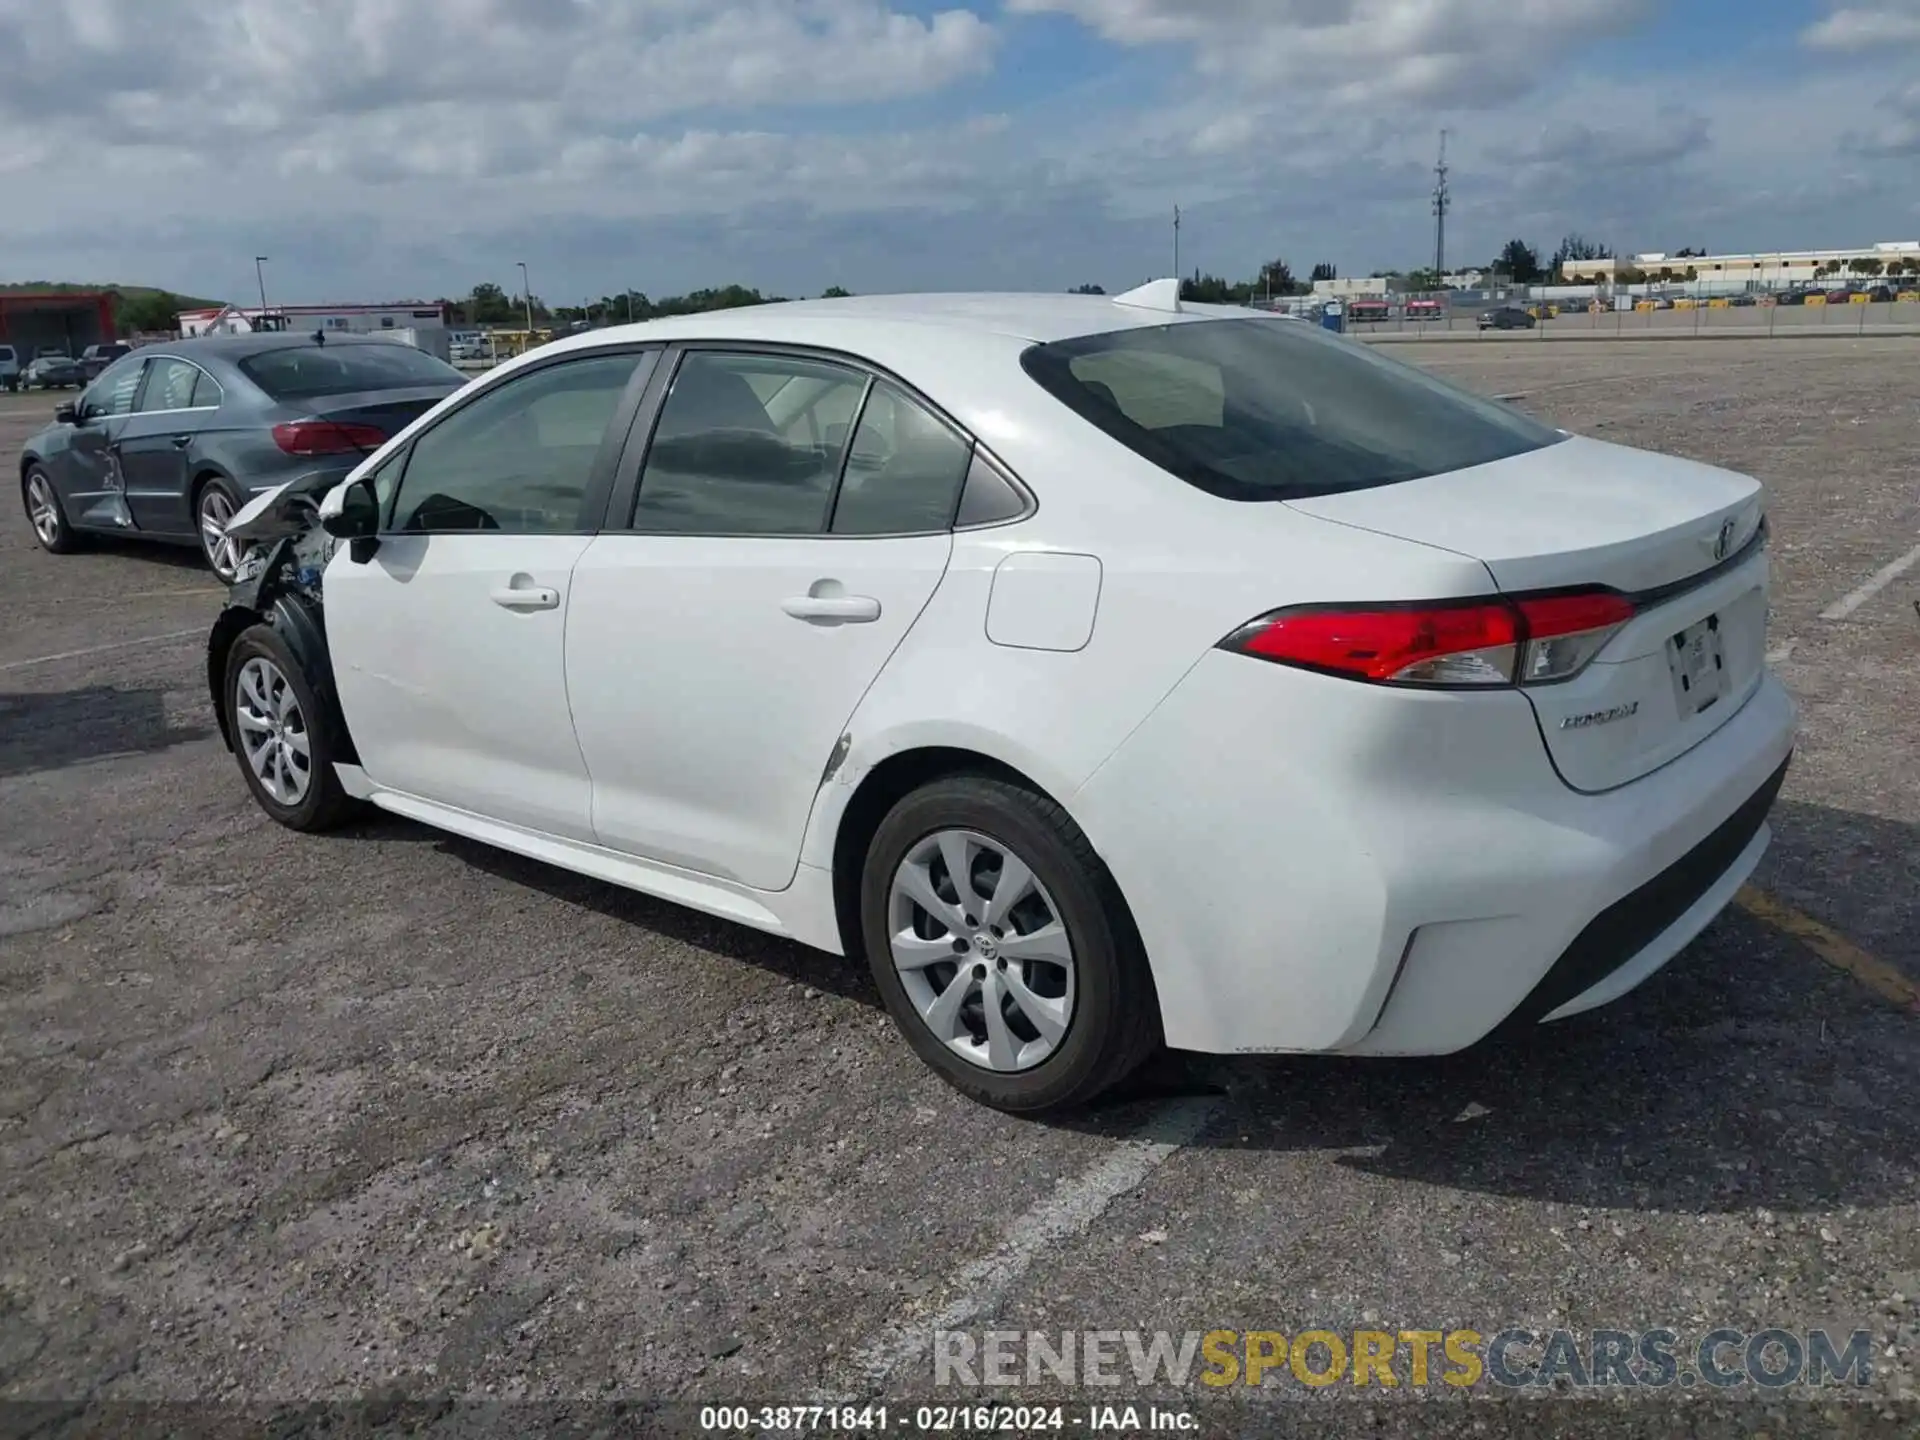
pixel 389 410
pixel 1680 537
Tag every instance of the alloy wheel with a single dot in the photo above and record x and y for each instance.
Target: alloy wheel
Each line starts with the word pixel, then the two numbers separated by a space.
pixel 43 510
pixel 273 731
pixel 981 950
pixel 223 552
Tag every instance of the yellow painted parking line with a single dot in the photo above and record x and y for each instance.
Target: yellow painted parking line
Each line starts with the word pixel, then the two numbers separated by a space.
pixel 1832 947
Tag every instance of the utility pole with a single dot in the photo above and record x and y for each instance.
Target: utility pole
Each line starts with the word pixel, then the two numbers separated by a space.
pixel 260 275
pixel 1176 243
pixel 526 288
pixel 1442 202
pixel 629 304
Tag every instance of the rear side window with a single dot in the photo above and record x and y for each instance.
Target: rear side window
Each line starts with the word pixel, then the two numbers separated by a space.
pixel 904 470
pixel 1266 409
pixel 299 372
pixel 748 445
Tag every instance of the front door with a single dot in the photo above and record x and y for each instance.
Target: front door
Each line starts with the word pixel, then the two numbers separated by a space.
pixel 448 645
pixel 792 522
pixel 90 478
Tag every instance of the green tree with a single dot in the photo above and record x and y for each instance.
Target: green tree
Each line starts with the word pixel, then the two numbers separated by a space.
pixel 1519 262
pixel 1087 290
pixel 146 310
pixel 835 292
pixel 1324 270
pixel 1276 277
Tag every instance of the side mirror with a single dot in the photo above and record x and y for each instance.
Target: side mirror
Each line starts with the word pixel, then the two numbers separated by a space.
pixel 354 516
pixel 66 413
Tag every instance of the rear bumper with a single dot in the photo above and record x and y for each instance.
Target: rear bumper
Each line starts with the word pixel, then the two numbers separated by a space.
pixel 1316 865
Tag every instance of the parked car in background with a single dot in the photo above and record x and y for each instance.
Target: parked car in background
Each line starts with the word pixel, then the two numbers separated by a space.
pixel 9 369
pixel 1881 294
pixel 96 358
pixel 918 628
pixel 1741 302
pixel 1506 317
pixel 52 370
pixel 171 439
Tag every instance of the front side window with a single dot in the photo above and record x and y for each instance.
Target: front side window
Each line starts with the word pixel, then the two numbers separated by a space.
pixel 518 458
pixel 1269 409
pixel 170 384
pixel 748 445
pixel 113 390
pixel 904 470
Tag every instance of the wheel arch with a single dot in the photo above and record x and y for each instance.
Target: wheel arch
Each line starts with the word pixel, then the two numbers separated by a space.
pixel 889 781
pixel 298 619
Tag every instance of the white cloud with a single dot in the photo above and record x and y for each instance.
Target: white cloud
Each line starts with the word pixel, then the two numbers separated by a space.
pixel 1867 27
pixel 242 76
pixel 1468 53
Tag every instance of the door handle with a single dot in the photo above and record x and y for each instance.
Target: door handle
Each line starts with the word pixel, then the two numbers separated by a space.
pixel 529 597
pixel 181 442
pixel 848 609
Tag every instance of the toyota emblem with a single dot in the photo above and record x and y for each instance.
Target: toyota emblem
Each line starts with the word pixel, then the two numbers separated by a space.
pixel 1723 542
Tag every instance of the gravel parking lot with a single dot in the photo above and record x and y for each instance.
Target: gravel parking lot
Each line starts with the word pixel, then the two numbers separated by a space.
pixel 286 1117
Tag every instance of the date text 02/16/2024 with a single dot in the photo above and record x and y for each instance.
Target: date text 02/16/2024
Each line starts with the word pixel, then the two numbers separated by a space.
pixel 941 1419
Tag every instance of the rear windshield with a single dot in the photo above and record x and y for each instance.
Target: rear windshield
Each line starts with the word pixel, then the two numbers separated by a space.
pixel 1272 409
pixel 297 372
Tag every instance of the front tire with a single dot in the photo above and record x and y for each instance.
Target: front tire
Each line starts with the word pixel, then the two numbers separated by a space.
pixel 46 514
pixel 280 734
pixel 1002 948
pixel 214 507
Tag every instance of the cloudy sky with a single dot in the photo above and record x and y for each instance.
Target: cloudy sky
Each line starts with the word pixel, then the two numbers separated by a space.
pixel 384 148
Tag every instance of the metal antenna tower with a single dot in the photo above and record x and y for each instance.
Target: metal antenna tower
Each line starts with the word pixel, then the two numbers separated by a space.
pixel 1442 202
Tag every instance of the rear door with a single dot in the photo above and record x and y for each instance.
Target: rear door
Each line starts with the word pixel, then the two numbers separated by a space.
pixel 448 644
pixel 793 517
pixel 154 445
pixel 1682 539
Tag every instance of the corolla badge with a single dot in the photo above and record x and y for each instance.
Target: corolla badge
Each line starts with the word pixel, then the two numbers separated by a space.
pixel 1600 717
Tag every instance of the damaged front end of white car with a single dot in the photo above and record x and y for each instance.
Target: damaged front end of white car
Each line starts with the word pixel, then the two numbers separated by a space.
pixel 279 584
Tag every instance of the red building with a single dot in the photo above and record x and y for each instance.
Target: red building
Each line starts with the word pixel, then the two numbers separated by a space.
pixel 63 320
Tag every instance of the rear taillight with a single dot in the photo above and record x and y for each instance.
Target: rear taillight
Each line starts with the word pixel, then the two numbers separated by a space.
pixel 327 437
pixel 1530 640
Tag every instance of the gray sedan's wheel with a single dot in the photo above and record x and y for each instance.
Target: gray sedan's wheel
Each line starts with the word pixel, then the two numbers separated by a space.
pixel 281 736
pixel 45 512
pixel 213 512
pixel 1002 947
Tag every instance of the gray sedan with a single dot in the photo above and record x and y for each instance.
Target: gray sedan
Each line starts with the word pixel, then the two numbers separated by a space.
pixel 168 442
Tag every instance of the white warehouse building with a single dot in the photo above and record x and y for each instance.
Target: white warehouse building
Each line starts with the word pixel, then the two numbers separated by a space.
pixel 416 315
pixel 1764 269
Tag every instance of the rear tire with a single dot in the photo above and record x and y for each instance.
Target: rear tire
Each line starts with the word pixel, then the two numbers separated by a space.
pixel 940 965
pixel 281 736
pixel 214 505
pixel 46 514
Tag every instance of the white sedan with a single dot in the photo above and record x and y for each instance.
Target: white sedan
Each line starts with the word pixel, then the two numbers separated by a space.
pixel 1106 671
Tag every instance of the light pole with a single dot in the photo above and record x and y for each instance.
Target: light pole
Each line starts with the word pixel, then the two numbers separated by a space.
pixel 260 275
pixel 1176 242
pixel 526 288
pixel 629 304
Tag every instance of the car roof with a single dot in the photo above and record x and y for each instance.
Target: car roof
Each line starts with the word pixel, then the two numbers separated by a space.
pixel 846 321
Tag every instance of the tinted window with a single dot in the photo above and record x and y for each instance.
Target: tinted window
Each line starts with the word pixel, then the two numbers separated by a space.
pixel 1268 409
pixel 295 372
pixel 170 384
pixel 748 445
pixel 113 390
pixel 206 390
pixel 520 456
pixel 903 472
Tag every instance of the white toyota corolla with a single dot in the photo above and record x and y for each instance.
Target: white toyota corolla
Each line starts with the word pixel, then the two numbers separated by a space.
pixel 1105 670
